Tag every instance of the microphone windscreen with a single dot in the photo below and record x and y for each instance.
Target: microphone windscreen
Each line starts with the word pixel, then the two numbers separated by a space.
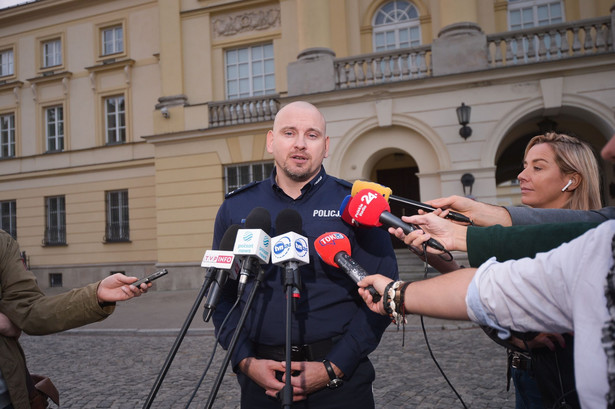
pixel 288 220
pixel 367 206
pixel 359 185
pixel 327 245
pixel 259 218
pixel 228 240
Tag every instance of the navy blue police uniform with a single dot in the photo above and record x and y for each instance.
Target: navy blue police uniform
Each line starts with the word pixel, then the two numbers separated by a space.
pixel 330 320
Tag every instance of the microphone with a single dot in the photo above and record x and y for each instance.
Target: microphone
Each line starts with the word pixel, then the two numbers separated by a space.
pixel 345 214
pixel 290 249
pixel 253 244
pixel 220 264
pixel 334 249
pixel 371 209
pixel 359 185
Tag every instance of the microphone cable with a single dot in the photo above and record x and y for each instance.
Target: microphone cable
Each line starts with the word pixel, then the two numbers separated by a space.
pixel 427 340
pixel 213 353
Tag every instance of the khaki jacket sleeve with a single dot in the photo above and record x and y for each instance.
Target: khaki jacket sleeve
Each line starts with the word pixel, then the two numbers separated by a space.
pixel 25 304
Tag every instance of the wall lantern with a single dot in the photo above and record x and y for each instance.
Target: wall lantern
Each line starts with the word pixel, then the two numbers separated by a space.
pixel 463 115
pixel 467 181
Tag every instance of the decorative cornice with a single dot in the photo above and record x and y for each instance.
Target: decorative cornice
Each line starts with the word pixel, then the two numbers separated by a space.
pixel 50 76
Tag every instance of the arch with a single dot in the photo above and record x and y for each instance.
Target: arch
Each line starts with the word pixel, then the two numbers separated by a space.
pixel 374 6
pixel 583 108
pixel 354 154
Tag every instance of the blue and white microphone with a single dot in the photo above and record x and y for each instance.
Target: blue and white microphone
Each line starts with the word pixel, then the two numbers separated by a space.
pixel 289 248
pixel 253 245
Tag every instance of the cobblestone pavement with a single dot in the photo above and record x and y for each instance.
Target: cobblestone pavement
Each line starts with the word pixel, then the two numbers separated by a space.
pixel 107 369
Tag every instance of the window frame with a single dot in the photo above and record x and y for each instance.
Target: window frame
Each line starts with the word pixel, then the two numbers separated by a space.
pixel 12 217
pixel 410 23
pixel 253 63
pixel 266 168
pixel 7 50
pixel 55 224
pixel 104 54
pixel 62 121
pixel 118 115
pixel 117 214
pixel 59 53
pixel 10 133
pixel 520 5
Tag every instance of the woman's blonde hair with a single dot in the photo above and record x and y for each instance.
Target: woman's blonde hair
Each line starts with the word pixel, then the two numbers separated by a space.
pixel 574 156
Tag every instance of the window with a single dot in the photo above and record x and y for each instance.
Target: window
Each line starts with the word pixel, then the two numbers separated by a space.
pixel 250 71
pixel 533 13
pixel 396 25
pixel 54 128
pixel 239 175
pixel 117 216
pixel 7 136
pixel 8 217
pixel 52 53
pixel 55 279
pixel 112 40
pixel 55 230
pixel 115 120
pixel 6 63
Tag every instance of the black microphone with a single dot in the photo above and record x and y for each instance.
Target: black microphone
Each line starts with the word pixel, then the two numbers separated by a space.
pixel 334 249
pixel 289 248
pixel 253 244
pixel 220 265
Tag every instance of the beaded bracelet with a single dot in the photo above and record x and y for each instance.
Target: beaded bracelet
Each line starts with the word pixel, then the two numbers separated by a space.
pixel 394 303
pixel 386 299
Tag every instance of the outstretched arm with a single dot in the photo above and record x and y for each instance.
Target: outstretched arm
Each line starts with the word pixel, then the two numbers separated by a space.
pixel 481 214
pixel 440 297
pixel 117 287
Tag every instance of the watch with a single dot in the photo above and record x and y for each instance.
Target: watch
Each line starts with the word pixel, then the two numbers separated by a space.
pixel 334 381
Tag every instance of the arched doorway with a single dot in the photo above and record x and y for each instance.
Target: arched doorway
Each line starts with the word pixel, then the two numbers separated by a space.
pixel 509 160
pixel 398 171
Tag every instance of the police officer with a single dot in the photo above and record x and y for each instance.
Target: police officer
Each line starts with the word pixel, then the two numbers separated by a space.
pixel 332 330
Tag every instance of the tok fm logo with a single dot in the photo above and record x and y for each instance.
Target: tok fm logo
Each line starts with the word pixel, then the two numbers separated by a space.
pixel 330 239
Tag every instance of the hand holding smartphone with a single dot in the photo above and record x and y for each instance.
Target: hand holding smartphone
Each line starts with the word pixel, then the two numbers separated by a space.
pixel 150 278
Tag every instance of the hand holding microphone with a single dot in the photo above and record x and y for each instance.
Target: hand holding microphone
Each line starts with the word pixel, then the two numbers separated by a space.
pixel 369 208
pixel 334 249
pixel 387 193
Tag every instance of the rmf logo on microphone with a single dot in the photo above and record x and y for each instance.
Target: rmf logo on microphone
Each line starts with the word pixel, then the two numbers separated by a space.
pixel 331 238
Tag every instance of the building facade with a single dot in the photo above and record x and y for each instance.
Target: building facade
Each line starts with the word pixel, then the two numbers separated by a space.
pixel 124 123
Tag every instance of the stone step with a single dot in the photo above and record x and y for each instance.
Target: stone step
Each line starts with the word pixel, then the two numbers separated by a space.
pixel 412 268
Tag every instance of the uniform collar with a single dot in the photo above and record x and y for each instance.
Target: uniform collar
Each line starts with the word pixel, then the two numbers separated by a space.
pixel 310 186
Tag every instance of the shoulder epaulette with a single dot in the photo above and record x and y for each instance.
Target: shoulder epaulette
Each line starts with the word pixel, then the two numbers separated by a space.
pixel 343 182
pixel 240 189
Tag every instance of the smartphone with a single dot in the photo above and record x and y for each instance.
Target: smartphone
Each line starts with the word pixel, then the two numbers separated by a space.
pixel 150 277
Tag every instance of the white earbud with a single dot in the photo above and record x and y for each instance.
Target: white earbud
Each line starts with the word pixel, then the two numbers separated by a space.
pixel 567 184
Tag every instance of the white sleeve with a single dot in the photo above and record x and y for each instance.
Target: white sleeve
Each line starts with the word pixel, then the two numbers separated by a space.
pixel 539 294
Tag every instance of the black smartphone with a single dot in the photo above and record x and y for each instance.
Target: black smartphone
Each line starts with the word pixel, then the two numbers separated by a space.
pixel 150 278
